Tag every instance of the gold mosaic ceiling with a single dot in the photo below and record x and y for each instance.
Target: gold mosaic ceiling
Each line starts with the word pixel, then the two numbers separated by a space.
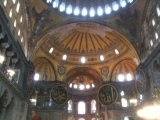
pixel 85 39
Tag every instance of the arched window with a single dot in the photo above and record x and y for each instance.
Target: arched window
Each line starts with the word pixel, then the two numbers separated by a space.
pixel 158 11
pixel 93 106
pixel 81 119
pixel 81 107
pixel 124 102
pixel 70 105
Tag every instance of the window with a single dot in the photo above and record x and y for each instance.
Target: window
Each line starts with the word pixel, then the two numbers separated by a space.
pixel 122 93
pixel 21 19
pixel 129 77
pixel 21 39
pixel 130 1
pixel 101 57
pixel 124 102
pixel 69 9
pixel 88 86
pixel 92 12
pixel 81 87
pixel 107 9
pixel 93 106
pixel 115 6
pixel 70 85
pixel 126 118
pixel 99 11
pixel 116 51
pixel 81 119
pixel 64 57
pixel 36 77
pixel 123 3
pixel 120 77
pixel 156 35
pixel 18 6
pixel 133 102
pixel 151 42
pixel 15 23
pixel 76 11
pixel 84 11
pixel 70 105
pixel 153 22
pixel 51 50
pixel 55 3
pixel 49 1
pixel 19 32
pixel 83 60
pixel 158 11
pixel 14 1
pixel 81 107
pixel 5 3
pixel 10 13
pixel 62 7
pixel 75 86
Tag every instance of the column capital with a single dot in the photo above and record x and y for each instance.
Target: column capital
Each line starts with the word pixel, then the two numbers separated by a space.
pixel 5 45
pixel 10 53
pixel 14 60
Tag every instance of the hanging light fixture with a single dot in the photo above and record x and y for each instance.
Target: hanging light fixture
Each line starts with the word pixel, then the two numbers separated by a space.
pixel 152 111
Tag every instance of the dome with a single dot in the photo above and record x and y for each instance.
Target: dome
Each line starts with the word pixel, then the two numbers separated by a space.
pixel 93 42
pixel 45 69
pixel 88 8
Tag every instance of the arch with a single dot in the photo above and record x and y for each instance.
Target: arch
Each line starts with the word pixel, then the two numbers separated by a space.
pixel 70 106
pixel 83 71
pixel 93 106
pixel 9 109
pixel 44 66
pixel 81 107
pixel 123 66
pixel 68 26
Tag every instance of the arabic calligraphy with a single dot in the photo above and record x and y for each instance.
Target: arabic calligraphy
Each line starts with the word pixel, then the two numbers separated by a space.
pixel 140 81
pixel 59 95
pixel 107 94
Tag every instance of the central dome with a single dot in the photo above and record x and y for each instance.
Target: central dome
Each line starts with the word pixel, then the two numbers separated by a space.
pixel 89 8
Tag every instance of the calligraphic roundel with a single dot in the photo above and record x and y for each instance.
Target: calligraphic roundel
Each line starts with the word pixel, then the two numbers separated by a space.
pixel 107 94
pixel 30 81
pixel 59 95
pixel 140 81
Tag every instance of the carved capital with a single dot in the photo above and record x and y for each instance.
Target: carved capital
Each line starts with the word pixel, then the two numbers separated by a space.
pixel 10 53
pixel 5 45
pixel 14 60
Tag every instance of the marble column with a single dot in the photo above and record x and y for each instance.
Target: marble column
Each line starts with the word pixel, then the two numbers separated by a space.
pixel 36 91
pixel 45 93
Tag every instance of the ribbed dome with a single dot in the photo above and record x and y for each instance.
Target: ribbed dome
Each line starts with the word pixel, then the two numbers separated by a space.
pixel 123 68
pixel 44 68
pixel 85 39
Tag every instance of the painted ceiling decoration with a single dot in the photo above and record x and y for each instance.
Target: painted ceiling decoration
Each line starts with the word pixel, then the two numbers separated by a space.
pixel 124 67
pixel 89 8
pixel 85 39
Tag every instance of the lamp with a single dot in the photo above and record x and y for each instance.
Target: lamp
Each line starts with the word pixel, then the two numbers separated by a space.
pixel 1 60
pixel 98 117
pixel 152 111
pixel 11 73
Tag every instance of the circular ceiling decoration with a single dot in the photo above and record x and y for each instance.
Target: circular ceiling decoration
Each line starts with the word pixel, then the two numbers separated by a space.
pixel 89 8
pixel 59 95
pixel 107 94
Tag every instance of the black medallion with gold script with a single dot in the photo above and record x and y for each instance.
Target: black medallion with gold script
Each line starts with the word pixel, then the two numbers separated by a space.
pixel 59 95
pixel 107 94
pixel 140 81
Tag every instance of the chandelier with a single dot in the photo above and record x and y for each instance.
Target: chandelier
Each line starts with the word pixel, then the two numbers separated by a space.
pixel 152 111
